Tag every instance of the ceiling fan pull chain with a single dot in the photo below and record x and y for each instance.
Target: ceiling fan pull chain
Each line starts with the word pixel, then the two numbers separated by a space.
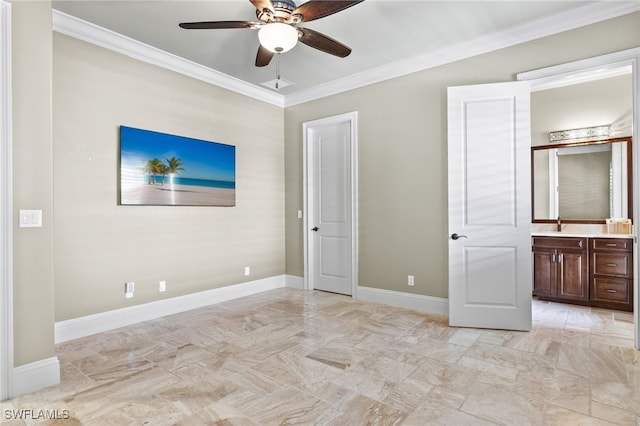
pixel 277 72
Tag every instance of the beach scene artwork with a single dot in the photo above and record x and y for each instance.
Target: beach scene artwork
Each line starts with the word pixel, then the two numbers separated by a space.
pixel 158 169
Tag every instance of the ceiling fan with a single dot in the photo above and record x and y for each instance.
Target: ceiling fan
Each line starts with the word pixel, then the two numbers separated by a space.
pixel 279 30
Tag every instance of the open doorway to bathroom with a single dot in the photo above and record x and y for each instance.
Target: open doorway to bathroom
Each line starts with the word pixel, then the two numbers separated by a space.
pixel 593 93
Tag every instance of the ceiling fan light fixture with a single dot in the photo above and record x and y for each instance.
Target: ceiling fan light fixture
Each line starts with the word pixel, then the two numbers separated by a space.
pixel 278 37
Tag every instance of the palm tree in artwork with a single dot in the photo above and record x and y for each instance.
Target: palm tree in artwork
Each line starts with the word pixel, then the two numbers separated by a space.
pixel 175 165
pixel 152 168
pixel 163 170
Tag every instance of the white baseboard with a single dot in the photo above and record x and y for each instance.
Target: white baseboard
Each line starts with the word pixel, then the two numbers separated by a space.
pixel 105 321
pixel 294 281
pixel 416 302
pixel 35 376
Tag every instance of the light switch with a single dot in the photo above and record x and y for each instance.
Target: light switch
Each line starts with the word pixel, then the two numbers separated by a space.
pixel 30 218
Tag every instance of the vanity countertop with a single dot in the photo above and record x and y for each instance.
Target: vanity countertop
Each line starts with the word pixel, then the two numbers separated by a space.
pixel 578 234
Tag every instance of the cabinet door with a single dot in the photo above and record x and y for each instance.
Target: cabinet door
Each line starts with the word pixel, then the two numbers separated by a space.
pixel 572 275
pixel 544 272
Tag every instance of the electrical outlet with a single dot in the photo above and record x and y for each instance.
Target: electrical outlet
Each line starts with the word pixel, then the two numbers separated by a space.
pixel 410 280
pixel 162 286
pixel 247 271
pixel 128 289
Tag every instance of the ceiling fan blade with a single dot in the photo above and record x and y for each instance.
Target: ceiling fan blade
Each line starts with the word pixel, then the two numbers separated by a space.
pixel 214 25
pixel 263 4
pixel 263 57
pixel 322 42
pixel 316 9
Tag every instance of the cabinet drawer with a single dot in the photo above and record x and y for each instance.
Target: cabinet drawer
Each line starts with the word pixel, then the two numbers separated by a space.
pixel 560 242
pixel 613 244
pixel 611 290
pixel 618 264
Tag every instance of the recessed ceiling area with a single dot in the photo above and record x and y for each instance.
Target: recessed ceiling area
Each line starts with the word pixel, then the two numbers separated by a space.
pixel 387 37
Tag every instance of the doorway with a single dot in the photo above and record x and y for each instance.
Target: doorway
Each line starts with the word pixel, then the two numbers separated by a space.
pixel 601 67
pixel 330 197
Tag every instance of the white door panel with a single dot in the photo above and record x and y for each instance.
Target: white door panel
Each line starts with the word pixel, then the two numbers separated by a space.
pixel 330 218
pixel 489 206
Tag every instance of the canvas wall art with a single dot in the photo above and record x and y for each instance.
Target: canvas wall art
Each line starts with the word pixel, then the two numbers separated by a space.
pixel 158 169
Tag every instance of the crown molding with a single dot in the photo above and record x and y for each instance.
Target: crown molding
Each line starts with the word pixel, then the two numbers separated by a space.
pixel 586 15
pixel 91 33
pixel 555 24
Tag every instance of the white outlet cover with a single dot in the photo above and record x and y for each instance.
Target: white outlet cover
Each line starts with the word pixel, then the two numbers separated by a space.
pixel 129 289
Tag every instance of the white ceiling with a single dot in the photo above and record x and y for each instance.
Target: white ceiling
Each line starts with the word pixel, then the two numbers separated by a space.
pixel 388 37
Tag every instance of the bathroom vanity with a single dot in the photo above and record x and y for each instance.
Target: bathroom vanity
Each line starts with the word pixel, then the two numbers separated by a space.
pixel 586 269
pixel 576 188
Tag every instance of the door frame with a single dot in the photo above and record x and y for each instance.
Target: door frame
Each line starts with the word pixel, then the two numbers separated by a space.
pixel 6 207
pixel 308 194
pixel 605 66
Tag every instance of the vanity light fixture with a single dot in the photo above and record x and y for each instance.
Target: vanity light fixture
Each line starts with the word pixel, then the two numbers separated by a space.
pixel 585 133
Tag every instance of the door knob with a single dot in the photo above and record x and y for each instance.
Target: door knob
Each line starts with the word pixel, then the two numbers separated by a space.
pixel 315 229
pixel 455 236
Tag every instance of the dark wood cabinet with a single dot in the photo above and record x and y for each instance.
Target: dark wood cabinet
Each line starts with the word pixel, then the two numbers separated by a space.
pixel 612 273
pixel 544 272
pixel 560 268
pixel 573 278
pixel 587 271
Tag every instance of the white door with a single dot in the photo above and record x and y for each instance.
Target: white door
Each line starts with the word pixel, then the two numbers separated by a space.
pixel 330 196
pixel 490 206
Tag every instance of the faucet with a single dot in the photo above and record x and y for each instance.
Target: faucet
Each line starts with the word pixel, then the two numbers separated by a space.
pixel 559 225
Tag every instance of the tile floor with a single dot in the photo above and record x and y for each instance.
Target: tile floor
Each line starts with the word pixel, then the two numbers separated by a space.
pixel 294 357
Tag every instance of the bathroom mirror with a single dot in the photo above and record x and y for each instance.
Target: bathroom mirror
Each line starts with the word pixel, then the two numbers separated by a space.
pixel 582 182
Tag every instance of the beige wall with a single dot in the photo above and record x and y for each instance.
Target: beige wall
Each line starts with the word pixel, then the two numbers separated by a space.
pixel 98 244
pixel 403 154
pixel 32 187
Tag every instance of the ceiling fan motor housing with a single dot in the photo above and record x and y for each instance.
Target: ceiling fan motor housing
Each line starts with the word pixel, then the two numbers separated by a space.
pixel 282 12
